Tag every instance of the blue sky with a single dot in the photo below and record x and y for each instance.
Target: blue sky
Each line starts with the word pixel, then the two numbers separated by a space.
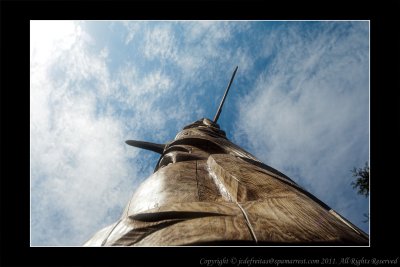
pixel 299 102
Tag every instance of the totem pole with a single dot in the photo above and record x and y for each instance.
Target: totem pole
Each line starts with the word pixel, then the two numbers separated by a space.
pixel 205 190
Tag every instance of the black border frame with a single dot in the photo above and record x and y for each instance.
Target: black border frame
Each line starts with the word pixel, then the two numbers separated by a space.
pixel 15 141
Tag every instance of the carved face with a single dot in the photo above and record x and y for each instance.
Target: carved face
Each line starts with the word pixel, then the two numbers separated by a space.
pixel 197 141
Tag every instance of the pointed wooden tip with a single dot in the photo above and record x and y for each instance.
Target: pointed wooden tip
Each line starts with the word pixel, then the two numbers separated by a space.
pixel 158 148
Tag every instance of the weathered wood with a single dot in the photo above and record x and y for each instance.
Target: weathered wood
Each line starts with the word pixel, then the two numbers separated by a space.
pixel 207 191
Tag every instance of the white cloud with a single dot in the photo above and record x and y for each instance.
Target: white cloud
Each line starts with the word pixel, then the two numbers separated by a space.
pixel 308 114
pixel 132 28
pixel 46 35
pixel 160 43
pixel 86 167
pixel 81 174
pixel 155 83
pixel 141 94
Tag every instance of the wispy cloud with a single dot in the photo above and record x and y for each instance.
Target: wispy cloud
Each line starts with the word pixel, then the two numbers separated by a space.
pixel 159 43
pixel 308 114
pixel 132 28
pixel 78 159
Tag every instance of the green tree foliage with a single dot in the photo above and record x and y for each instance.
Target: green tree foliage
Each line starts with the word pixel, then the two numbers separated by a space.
pixel 361 182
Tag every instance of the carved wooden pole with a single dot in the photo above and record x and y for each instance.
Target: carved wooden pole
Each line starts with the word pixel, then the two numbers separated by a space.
pixel 205 190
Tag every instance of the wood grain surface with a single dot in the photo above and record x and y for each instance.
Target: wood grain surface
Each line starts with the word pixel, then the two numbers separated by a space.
pixel 208 191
